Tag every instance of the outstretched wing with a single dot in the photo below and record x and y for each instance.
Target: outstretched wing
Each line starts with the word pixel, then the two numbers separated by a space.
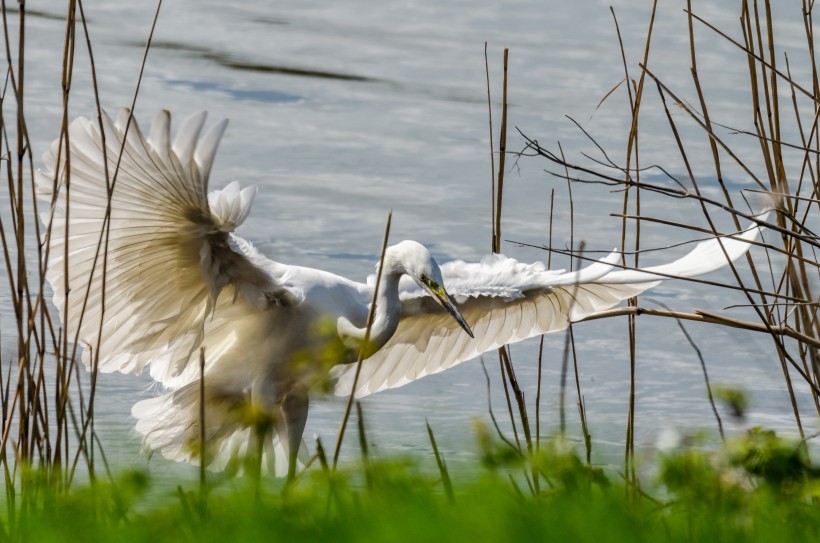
pixel 137 285
pixel 505 301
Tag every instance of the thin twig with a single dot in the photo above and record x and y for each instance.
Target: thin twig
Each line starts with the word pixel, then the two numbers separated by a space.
pixel 371 314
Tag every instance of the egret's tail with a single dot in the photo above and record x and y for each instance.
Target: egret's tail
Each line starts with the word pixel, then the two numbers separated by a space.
pixel 171 424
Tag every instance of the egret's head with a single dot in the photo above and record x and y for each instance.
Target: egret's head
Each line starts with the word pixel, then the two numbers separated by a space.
pixel 415 260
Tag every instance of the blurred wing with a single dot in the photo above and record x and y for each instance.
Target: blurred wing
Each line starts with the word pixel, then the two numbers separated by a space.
pixel 505 301
pixel 140 291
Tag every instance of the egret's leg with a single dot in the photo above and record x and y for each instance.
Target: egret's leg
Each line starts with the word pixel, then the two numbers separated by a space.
pixel 290 426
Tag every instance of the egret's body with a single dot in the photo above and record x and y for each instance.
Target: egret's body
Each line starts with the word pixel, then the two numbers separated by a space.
pixel 167 285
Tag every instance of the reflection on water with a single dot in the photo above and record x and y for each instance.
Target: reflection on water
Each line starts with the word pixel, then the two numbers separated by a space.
pixel 342 112
pixel 227 61
pixel 258 95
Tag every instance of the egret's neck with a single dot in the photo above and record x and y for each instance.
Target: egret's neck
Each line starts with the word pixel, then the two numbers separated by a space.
pixel 385 319
pixel 388 310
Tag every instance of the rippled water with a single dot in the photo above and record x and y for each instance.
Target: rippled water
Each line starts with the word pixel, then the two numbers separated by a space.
pixel 342 112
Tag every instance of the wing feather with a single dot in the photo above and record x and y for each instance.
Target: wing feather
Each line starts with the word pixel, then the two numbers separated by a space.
pixel 506 301
pixel 162 237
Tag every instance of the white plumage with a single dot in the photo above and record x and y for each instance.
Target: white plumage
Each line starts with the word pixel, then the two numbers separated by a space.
pixel 178 282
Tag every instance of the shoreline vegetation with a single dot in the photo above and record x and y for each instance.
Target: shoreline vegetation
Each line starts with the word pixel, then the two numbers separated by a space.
pixel 753 486
pixel 758 487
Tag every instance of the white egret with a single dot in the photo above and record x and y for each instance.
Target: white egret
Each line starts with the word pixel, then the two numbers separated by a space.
pixel 167 281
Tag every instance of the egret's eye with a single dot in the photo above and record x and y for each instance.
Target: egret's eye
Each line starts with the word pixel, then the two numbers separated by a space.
pixel 428 282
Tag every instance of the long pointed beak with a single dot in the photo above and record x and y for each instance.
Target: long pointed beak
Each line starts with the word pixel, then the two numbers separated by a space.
pixel 447 302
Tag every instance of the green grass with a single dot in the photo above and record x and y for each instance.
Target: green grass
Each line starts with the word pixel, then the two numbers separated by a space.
pixel 758 487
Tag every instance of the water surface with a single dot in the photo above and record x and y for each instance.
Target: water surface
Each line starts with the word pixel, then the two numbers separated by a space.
pixel 343 112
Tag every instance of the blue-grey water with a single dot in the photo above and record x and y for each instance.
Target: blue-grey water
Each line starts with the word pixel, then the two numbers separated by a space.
pixel 341 112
